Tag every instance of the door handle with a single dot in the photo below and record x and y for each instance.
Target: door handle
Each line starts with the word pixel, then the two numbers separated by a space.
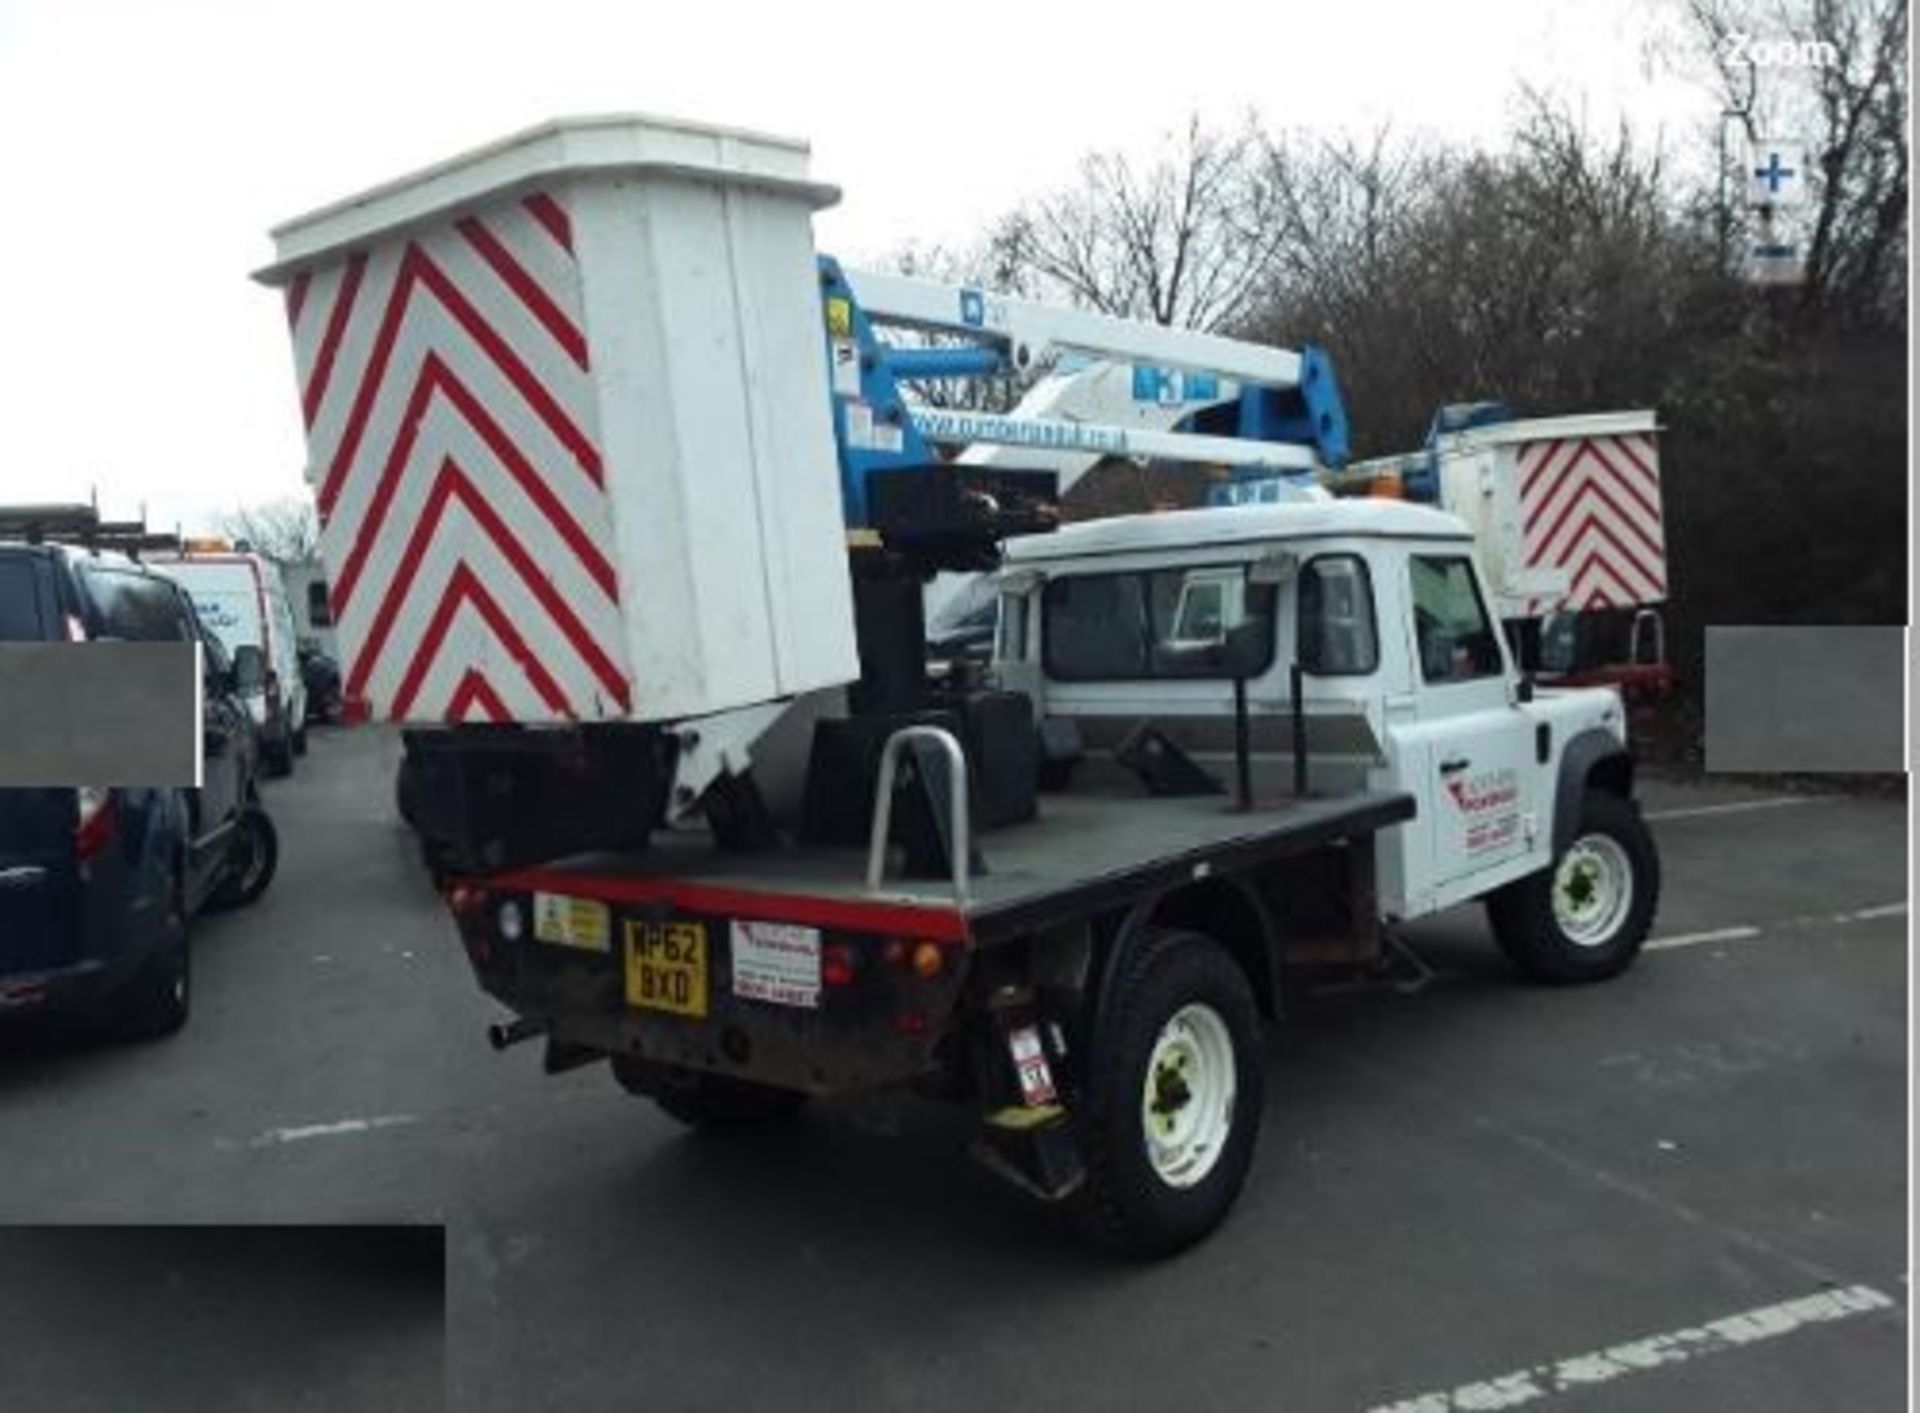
pixel 1454 766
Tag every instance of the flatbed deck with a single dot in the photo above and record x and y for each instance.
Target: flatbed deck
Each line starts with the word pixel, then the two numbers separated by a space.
pixel 1085 851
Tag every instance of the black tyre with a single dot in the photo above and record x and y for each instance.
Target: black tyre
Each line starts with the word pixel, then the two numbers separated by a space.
pixel 251 860
pixel 156 1001
pixel 277 756
pixel 1585 918
pixel 709 1102
pixel 1171 1116
pixel 300 740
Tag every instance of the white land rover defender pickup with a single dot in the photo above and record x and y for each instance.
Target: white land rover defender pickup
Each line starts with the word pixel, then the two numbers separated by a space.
pixel 1523 796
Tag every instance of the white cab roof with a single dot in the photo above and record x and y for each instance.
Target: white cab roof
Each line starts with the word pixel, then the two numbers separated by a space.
pixel 1237 524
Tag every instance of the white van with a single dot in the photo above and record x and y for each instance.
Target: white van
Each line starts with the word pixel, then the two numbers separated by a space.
pixel 240 596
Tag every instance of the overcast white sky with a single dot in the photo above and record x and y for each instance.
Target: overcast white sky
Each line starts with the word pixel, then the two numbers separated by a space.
pixel 147 145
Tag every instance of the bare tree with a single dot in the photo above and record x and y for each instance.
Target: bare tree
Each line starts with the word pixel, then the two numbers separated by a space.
pixel 286 530
pixel 1182 239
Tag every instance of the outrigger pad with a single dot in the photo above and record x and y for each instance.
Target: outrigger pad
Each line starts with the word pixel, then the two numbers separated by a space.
pixel 1162 766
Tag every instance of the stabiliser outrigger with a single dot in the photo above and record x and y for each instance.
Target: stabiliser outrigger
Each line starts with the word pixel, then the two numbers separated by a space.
pixel 651 607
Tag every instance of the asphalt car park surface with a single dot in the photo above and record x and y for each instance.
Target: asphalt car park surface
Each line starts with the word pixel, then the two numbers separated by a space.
pixel 221 1320
pixel 1474 1194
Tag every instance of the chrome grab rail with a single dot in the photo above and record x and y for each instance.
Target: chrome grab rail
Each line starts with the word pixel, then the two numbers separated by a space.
pixel 957 806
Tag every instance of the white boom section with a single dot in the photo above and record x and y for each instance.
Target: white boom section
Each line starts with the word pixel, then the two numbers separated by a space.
pixel 1035 331
pixel 1076 416
pixel 1102 392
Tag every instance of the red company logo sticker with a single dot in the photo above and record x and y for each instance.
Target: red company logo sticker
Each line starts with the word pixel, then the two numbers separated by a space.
pixel 1485 792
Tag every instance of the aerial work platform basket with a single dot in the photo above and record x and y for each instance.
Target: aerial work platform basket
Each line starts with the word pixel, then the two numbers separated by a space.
pixel 567 428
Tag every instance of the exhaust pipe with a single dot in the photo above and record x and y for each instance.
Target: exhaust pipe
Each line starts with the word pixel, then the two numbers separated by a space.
pixel 514 1031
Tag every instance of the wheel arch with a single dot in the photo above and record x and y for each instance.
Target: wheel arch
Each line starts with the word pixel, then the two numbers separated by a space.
pixel 1593 759
pixel 1227 910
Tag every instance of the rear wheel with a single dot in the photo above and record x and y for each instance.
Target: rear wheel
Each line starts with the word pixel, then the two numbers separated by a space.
pixel 300 740
pixel 1585 918
pixel 1174 1108
pixel 710 1102
pixel 278 757
pixel 251 861
pixel 156 1001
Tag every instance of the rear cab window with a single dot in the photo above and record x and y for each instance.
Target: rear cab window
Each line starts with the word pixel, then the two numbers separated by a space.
pixel 1155 624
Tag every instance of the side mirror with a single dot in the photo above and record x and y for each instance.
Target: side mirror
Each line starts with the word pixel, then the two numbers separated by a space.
pixel 1523 689
pixel 249 669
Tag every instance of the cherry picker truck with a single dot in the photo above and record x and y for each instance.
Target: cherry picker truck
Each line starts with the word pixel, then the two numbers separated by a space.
pixel 627 514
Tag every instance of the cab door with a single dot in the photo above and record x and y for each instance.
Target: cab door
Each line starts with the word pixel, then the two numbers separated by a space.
pixel 1477 741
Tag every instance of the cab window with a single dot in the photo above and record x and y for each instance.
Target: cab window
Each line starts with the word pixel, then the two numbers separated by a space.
pixel 1336 629
pixel 1455 636
pixel 1164 623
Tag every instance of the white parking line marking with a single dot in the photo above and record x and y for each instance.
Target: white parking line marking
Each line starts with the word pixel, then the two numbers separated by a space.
pixel 275 1136
pixel 1637 1357
pixel 1694 939
pixel 1744 933
pixel 1869 914
pixel 1773 802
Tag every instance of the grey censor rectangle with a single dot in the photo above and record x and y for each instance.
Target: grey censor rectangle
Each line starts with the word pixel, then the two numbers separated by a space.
pixel 1806 700
pixel 105 713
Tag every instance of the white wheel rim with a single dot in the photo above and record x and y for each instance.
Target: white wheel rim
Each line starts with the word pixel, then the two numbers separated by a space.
pixel 1592 890
pixel 1186 1099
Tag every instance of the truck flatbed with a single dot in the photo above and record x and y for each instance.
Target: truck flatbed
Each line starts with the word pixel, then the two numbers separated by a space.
pixel 1085 852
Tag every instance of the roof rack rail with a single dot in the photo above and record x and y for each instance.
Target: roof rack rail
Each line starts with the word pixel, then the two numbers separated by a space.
pixel 80 524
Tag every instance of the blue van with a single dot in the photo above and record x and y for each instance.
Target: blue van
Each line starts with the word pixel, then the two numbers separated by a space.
pixel 98 885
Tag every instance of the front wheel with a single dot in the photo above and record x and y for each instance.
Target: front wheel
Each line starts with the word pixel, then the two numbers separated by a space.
pixel 1585 918
pixel 1177 1085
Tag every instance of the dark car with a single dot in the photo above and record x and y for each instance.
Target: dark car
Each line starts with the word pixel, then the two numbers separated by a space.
pixel 98 884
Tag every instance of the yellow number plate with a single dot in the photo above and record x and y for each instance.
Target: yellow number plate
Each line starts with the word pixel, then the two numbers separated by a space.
pixel 667 967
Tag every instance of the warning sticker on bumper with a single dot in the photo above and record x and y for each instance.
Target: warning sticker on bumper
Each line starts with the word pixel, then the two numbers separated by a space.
pixel 776 962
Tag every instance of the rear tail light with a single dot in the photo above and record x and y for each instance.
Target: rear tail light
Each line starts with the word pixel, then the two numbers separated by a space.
pixel 837 965
pixel 925 960
pixel 466 899
pixel 96 819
